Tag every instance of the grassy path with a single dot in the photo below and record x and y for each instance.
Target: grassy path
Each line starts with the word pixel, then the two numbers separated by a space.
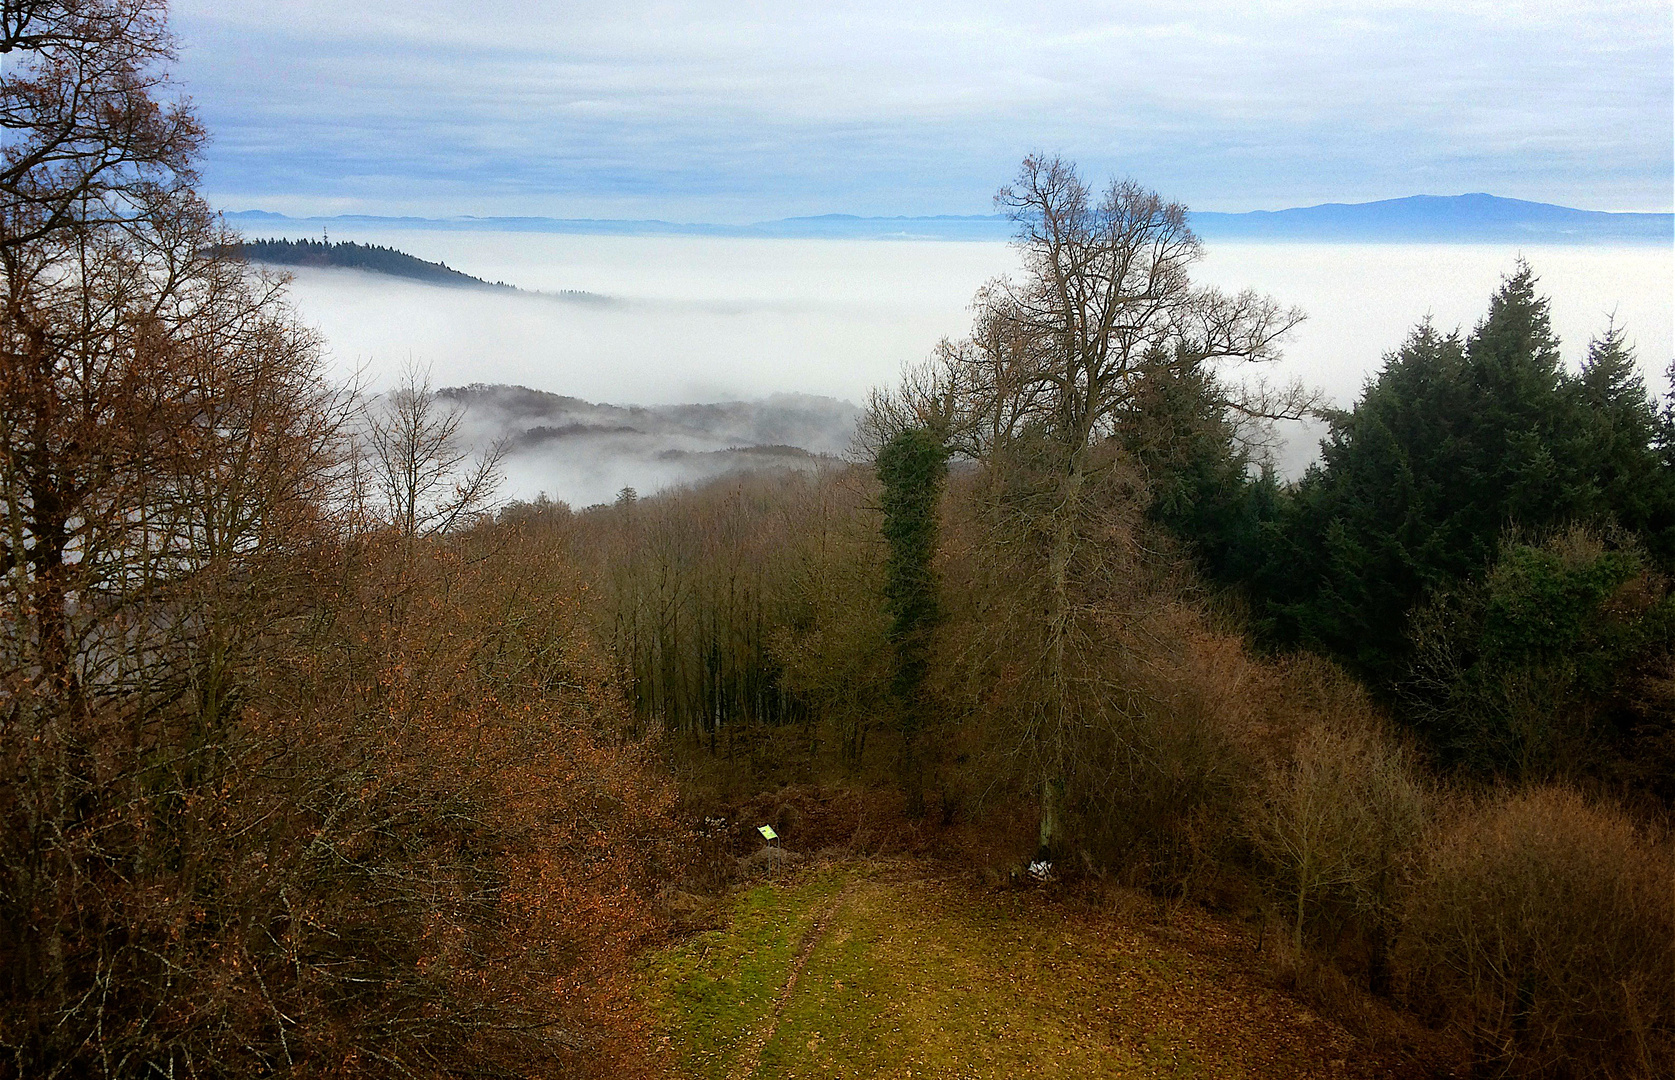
pixel 876 970
pixel 750 1059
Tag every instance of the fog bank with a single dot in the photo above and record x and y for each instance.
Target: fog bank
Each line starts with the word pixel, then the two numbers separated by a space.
pixel 583 453
pixel 699 319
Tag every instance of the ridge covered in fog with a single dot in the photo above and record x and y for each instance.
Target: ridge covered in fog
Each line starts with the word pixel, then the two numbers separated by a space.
pixel 585 452
pixel 379 259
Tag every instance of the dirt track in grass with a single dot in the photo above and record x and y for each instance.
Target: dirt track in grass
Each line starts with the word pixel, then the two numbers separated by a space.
pixel 890 969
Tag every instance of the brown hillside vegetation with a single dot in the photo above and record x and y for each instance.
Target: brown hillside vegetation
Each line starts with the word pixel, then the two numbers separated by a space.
pixel 1272 791
pixel 285 788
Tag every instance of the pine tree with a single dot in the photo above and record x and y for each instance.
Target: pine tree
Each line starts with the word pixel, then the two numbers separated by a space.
pixel 1634 483
pixel 1371 528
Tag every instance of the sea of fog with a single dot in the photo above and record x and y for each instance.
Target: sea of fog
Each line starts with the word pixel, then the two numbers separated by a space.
pixel 698 319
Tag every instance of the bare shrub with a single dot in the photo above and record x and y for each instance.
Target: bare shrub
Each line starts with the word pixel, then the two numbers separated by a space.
pixel 1334 826
pixel 1545 925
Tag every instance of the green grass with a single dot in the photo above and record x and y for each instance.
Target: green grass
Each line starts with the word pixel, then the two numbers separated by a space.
pixel 715 989
pixel 920 978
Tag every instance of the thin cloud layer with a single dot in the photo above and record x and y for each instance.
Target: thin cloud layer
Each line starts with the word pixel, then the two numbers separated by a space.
pixel 729 111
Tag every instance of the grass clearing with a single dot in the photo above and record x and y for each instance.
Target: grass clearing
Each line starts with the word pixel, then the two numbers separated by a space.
pixel 892 973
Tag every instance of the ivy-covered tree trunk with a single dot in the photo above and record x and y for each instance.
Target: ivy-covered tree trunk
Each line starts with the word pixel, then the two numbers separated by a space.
pixel 911 468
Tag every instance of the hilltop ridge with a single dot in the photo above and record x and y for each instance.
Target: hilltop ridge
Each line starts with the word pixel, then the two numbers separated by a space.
pixel 377 259
pixel 348 254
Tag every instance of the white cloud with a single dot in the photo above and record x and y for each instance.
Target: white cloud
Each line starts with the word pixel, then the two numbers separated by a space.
pixel 757 109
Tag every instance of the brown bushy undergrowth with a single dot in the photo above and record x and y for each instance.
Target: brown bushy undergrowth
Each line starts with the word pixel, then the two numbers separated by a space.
pixel 422 844
pixel 1545 924
pixel 503 720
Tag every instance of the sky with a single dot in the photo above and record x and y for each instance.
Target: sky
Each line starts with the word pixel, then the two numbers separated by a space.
pixel 737 111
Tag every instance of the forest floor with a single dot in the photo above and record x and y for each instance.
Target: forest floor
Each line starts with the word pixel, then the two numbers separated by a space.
pixel 899 968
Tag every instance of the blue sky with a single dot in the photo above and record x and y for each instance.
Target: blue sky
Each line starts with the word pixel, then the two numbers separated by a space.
pixel 742 111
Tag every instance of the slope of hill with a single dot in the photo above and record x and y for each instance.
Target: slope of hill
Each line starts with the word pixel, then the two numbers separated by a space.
pixel 805 422
pixel 372 258
pixel 583 452
pixel 352 256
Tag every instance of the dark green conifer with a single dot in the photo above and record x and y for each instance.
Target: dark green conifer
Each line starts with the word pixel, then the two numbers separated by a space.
pixel 911 468
pixel 1453 446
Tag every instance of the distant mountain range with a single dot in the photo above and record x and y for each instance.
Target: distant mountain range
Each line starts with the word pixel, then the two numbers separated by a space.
pixel 1440 219
pixel 1476 218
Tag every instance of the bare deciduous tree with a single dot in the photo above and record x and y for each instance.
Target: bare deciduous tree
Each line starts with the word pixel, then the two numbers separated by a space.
pixel 1054 360
pixel 427 481
pixel 86 140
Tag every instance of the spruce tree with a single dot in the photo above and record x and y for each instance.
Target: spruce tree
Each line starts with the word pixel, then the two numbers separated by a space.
pixel 1373 526
pixel 1453 446
pixel 1633 482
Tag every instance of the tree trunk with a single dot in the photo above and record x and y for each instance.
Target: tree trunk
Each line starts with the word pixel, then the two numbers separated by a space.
pixel 1059 704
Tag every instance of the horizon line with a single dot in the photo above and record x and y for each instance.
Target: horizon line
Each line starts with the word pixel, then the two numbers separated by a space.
pixel 948 217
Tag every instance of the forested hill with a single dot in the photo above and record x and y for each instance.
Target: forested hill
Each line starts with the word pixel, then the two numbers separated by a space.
pixel 350 255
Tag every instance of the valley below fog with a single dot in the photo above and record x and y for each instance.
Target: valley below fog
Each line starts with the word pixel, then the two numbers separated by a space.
pixel 687 320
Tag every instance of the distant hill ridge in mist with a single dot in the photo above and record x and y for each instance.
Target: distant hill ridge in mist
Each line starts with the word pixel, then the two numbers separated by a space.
pixel 583 452
pixel 796 425
pixel 1440 218
pixel 373 258
pixel 347 254
pixel 1474 218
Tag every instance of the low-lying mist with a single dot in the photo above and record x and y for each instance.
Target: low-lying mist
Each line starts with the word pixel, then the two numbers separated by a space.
pixel 585 453
pixel 680 319
pixel 695 319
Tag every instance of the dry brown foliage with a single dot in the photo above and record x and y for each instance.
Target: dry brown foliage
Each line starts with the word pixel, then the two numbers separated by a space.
pixel 1336 826
pixel 275 794
pixel 421 844
pixel 1545 925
